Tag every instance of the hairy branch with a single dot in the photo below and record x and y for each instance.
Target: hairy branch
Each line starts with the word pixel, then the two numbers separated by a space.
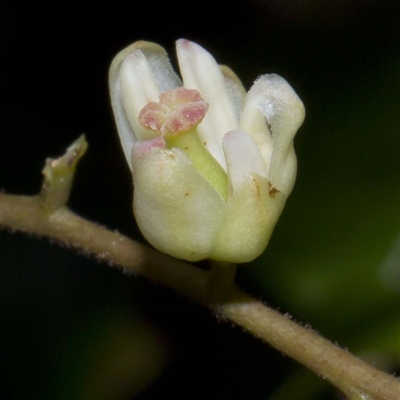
pixel 47 215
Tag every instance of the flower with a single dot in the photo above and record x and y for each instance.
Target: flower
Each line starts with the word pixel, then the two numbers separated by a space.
pixel 212 166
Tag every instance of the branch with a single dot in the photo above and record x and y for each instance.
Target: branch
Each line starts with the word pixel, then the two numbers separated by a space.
pixel 46 215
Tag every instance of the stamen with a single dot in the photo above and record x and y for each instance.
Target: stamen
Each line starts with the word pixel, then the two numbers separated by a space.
pixel 178 110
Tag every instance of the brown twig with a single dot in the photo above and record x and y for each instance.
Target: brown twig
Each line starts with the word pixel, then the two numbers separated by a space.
pixel 47 215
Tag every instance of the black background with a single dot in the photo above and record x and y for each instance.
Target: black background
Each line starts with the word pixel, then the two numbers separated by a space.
pixel 341 57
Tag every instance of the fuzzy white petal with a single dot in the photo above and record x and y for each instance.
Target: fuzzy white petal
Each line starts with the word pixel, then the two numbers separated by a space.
pixel 253 122
pixel 285 112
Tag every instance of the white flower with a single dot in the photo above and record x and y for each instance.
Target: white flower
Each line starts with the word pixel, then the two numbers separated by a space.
pixel 212 166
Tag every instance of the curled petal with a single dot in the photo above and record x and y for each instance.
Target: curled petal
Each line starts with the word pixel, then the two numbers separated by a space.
pixel 253 122
pixel 138 87
pixel 161 78
pixel 285 112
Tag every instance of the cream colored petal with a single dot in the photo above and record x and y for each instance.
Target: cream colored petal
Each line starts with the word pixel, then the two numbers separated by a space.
pixel 162 77
pixel 254 123
pixel 200 71
pixel 236 89
pixel 138 88
pixel 285 112
pixel 248 222
pixel 160 66
pixel 177 210
pixel 243 157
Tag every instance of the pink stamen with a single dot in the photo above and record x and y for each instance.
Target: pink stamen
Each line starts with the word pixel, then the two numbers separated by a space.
pixel 178 110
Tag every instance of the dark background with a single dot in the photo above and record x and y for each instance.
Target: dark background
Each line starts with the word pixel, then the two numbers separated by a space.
pixel 74 328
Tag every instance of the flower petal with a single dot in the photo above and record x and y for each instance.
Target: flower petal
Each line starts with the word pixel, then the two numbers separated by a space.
pixel 284 111
pixel 235 87
pixel 160 66
pixel 138 88
pixel 254 123
pixel 243 158
pixel 200 71
pixel 248 222
pixel 177 210
pixel 150 63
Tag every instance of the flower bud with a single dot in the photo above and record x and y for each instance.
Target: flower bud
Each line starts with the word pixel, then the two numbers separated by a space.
pixel 212 166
